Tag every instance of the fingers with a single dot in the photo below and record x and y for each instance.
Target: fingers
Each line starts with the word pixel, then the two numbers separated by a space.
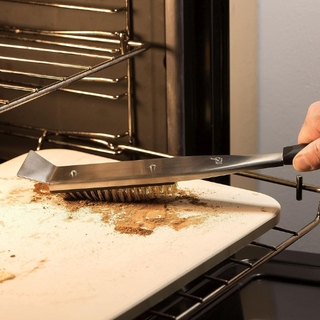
pixel 308 159
pixel 310 130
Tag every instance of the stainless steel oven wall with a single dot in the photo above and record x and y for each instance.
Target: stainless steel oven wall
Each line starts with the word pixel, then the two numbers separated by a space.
pixel 176 76
pixel 150 86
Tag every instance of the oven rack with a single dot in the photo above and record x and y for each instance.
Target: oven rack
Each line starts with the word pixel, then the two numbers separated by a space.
pixel 89 141
pixel 97 49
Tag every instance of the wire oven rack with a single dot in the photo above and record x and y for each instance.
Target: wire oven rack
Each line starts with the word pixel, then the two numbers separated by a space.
pixel 109 47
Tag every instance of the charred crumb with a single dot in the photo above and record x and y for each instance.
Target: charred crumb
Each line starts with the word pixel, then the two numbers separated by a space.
pixel 41 191
pixel 133 230
pixel 41 188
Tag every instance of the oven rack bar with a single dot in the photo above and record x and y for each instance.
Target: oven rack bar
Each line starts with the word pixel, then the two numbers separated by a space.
pixel 51 77
pixel 68 6
pixel 13 33
pixel 76 53
pixel 227 284
pixel 24 87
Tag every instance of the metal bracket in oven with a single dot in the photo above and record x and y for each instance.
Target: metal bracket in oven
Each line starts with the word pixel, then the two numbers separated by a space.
pixel 298 185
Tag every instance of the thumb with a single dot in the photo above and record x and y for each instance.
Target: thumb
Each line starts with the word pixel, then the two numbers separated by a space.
pixel 308 159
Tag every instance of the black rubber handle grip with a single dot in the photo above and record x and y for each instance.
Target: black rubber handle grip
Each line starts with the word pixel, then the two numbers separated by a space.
pixel 291 151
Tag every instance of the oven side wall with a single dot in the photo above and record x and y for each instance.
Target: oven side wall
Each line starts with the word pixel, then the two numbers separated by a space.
pixel 243 82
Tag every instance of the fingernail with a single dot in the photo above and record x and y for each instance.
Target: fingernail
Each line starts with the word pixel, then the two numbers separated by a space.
pixel 301 163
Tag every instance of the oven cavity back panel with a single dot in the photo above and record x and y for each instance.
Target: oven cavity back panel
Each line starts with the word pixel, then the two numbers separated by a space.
pixel 73 264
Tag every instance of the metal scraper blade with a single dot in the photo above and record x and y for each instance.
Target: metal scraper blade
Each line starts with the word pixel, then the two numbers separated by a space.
pixel 36 168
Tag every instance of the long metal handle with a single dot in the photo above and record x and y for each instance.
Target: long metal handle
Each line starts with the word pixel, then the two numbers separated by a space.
pixel 147 172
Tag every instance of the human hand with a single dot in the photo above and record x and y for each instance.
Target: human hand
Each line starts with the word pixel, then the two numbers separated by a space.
pixel 309 158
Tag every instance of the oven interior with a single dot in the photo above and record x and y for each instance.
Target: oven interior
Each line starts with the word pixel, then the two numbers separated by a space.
pixel 76 58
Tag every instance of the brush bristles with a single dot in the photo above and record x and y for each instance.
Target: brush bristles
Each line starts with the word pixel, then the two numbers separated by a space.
pixel 126 194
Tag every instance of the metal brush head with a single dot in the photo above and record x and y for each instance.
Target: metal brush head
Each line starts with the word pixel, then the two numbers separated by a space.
pixel 125 194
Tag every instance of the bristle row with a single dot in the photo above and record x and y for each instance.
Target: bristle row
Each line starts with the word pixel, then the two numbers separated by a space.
pixel 125 195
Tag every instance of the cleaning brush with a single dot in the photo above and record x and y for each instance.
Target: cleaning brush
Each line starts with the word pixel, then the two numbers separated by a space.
pixel 95 182
pixel 125 194
pixel 142 179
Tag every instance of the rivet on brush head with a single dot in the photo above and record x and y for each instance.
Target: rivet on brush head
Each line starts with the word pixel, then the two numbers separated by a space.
pixel 153 167
pixel 73 173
